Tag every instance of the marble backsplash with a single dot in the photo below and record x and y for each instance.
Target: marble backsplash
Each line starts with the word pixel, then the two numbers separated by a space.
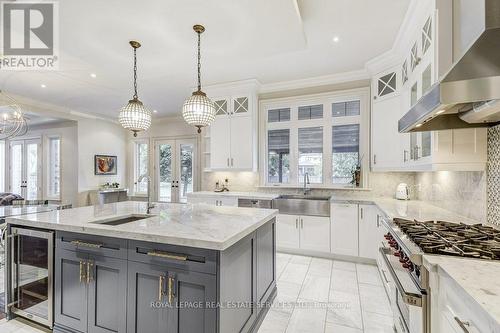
pixel 379 184
pixel 460 192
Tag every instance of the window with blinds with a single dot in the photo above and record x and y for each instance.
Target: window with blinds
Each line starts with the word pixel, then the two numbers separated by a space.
pixel 343 109
pixel 310 143
pixel 278 115
pixel 345 152
pixel 310 112
pixel 278 156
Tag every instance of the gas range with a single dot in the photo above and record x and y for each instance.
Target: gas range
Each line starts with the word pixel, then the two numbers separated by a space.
pixel 456 239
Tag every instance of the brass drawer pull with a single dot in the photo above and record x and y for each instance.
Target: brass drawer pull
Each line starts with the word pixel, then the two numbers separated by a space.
pixel 89 271
pixel 171 294
pixel 86 244
pixel 160 288
pixel 82 269
pixel 167 255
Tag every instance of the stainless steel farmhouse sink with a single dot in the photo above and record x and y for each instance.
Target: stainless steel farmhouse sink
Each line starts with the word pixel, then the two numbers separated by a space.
pixel 123 219
pixel 302 205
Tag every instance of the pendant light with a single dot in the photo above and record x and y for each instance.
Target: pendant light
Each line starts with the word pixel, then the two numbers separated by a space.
pixel 198 110
pixel 135 116
pixel 12 119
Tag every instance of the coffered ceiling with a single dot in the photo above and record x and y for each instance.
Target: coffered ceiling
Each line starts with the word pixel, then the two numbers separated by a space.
pixel 269 40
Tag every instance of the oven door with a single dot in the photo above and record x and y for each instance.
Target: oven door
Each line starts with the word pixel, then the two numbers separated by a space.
pixel 406 297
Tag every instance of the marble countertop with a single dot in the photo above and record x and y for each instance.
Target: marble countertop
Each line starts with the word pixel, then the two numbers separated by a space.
pixel 196 225
pixel 244 195
pixel 478 278
pixel 6 211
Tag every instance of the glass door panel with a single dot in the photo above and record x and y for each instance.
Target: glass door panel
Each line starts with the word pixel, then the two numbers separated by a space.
pixel 16 168
pixel 186 165
pixel 32 171
pixel 164 174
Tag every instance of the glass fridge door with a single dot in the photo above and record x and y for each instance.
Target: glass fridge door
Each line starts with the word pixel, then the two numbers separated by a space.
pixel 31 274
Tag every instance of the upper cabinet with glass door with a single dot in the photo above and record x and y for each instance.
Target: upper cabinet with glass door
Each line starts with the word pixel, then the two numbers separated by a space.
pixel 232 139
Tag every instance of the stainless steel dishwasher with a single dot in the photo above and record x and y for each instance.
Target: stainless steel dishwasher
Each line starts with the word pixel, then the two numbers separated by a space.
pixel 255 203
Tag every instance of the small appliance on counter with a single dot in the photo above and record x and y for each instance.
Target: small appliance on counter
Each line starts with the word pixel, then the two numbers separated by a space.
pixel 223 188
pixel 403 192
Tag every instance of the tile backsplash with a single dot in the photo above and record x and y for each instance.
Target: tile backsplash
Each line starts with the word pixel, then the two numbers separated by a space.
pixel 494 175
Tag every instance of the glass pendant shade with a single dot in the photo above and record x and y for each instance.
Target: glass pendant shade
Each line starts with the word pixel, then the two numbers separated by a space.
pixel 135 116
pixel 12 120
pixel 198 110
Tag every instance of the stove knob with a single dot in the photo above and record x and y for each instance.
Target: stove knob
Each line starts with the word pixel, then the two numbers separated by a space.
pixel 397 254
pixel 406 265
pixel 403 259
pixel 388 236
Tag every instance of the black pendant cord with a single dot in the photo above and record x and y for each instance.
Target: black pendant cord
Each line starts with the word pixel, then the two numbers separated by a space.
pixel 135 74
pixel 199 62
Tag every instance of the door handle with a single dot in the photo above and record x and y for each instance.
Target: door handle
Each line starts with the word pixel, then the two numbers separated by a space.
pixel 361 213
pixel 160 288
pixel 301 223
pixel 228 161
pixel 82 268
pixel 171 293
pixel 296 223
pixel 405 153
pixel 90 274
pixel 231 161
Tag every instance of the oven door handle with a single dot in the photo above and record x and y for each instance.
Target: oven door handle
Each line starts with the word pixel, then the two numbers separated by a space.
pixel 409 298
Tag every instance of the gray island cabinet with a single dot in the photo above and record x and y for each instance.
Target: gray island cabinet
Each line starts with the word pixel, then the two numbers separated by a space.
pixel 187 268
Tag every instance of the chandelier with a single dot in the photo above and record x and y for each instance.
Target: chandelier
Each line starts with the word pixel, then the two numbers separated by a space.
pixel 198 110
pixel 135 116
pixel 12 120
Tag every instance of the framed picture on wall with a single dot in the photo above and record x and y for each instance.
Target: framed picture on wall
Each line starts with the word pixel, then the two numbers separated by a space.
pixel 105 165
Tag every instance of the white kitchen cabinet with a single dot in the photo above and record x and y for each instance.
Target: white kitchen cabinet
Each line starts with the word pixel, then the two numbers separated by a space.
pixel 370 235
pixel 344 229
pixel 303 232
pixel 220 142
pixel 315 233
pixel 287 231
pixel 241 147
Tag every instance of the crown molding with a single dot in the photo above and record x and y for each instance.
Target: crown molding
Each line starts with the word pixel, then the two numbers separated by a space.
pixel 315 81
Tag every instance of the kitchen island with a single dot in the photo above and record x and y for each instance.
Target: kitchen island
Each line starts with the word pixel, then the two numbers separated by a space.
pixel 182 268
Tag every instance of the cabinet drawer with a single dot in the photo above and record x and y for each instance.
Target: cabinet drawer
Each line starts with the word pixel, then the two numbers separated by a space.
pixel 189 259
pixel 98 245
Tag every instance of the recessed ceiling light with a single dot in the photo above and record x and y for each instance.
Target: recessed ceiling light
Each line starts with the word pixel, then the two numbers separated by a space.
pixel 336 39
pixel 93 75
pixel 155 111
pixel 440 111
pixel 418 125
pixel 43 85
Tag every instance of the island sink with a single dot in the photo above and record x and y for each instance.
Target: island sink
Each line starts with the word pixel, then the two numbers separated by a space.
pixel 123 220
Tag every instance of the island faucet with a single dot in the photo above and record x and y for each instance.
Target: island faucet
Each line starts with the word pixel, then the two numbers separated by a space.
pixel 150 204
pixel 306 182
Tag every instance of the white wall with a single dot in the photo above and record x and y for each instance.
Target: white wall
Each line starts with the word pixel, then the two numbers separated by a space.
pixel 97 136
pixel 67 131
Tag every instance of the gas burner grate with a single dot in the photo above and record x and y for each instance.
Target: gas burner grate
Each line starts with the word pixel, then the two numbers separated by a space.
pixel 457 239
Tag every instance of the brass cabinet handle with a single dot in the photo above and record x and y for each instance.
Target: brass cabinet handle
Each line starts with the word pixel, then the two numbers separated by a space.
pixel 162 254
pixel 160 288
pixel 86 244
pixel 89 271
pixel 171 293
pixel 82 268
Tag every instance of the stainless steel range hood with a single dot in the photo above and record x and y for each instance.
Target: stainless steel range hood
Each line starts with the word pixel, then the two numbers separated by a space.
pixel 466 95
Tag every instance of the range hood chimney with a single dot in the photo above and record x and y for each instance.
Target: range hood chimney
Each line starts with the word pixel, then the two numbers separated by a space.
pixel 467 94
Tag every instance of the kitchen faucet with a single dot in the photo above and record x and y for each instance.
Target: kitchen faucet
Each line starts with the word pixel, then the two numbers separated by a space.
pixel 150 204
pixel 306 182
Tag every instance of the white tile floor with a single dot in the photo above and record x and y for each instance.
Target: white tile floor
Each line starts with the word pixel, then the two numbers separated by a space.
pixel 314 296
pixel 327 296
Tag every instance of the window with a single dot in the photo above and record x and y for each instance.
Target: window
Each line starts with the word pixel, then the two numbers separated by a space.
pixel 310 142
pixel 2 166
pixel 343 109
pixel 324 136
pixel 427 35
pixel 311 112
pixel 278 156
pixel 278 115
pixel 386 84
pixel 141 156
pixel 345 152
pixel 54 168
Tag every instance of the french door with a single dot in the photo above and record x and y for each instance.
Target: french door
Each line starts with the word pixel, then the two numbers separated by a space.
pixel 25 175
pixel 174 169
